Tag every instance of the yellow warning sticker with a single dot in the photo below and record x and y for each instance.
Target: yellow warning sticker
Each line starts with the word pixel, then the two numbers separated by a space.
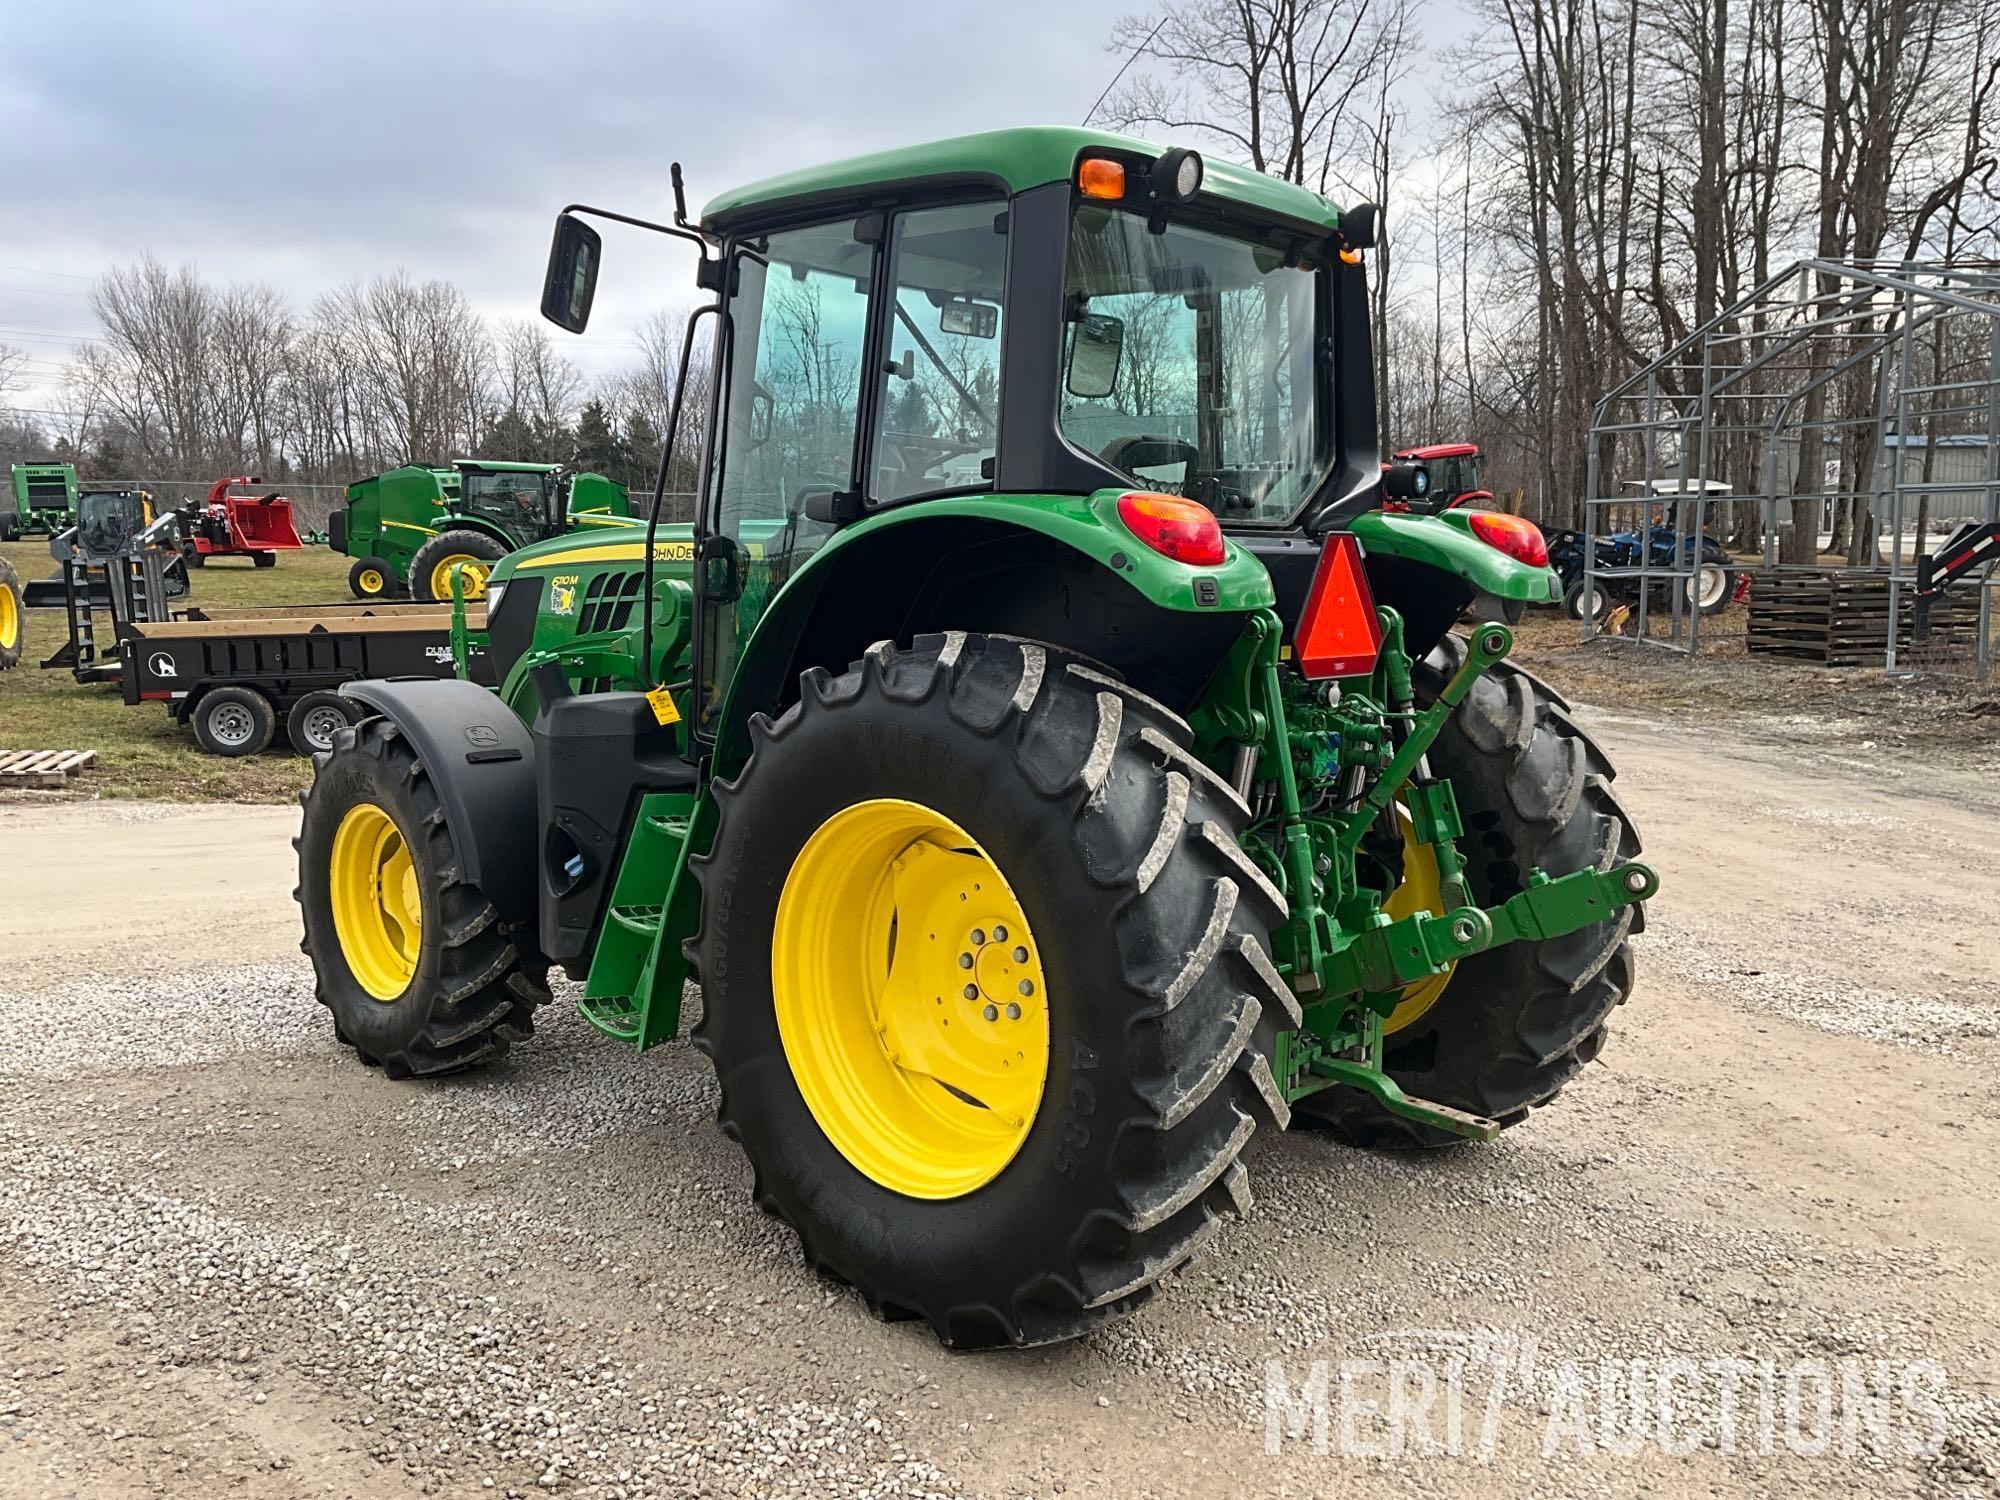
pixel 662 703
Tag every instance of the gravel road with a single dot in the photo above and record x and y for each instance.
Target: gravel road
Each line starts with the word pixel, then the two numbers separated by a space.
pixel 234 1262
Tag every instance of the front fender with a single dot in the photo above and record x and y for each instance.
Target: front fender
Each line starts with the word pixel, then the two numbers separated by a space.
pixel 1446 542
pixel 1060 568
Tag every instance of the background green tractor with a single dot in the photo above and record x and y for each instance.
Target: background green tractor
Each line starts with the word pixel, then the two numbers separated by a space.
pixel 411 529
pixel 1046 756
pixel 43 501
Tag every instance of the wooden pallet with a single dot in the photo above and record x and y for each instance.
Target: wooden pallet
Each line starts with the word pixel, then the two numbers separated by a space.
pixel 1840 618
pixel 42 768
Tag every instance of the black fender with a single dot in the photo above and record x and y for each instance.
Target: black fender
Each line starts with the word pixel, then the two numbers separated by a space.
pixel 481 760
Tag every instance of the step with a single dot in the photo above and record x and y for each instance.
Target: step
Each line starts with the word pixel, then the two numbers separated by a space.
pixel 643 920
pixel 614 1015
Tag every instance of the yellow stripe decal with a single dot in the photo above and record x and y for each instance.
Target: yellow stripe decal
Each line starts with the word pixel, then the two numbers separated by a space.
pixel 412 526
pixel 627 552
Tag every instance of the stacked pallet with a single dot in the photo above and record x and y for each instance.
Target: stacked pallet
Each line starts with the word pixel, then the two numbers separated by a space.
pixel 42 768
pixel 1839 617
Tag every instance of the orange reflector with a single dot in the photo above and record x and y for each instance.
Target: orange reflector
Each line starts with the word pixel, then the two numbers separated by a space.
pixel 1516 536
pixel 1184 530
pixel 1339 634
pixel 1098 178
pixel 1351 257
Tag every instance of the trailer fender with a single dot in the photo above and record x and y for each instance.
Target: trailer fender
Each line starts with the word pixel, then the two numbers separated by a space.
pixel 482 763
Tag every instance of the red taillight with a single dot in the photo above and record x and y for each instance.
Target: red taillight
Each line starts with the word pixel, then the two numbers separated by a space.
pixel 1516 536
pixel 1339 634
pixel 1181 529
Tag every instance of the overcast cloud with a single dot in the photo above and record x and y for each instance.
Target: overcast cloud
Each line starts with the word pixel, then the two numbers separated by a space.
pixel 307 144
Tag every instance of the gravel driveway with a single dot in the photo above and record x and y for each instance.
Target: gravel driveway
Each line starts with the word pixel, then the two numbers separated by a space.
pixel 234 1262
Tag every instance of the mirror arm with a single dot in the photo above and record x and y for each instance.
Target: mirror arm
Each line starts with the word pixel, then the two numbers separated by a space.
pixel 691 235
pixel 971 401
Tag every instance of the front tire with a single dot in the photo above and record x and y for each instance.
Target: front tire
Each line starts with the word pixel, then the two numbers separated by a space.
pixel 1514 1024
pixel 422 976
pixel 371 578
pixel 1148 923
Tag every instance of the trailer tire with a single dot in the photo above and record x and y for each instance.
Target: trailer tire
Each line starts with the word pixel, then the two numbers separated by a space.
pixel 473 551
pixel 472 981
pixel 1514 1024
pixel 371 578
pixel 10 526
pixel 264 559
pixel 233 720
pixel 314 722
pixel 1002 1208
pixel 13 616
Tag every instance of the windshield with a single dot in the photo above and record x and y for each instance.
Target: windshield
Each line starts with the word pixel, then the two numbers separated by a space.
pixel 1190 364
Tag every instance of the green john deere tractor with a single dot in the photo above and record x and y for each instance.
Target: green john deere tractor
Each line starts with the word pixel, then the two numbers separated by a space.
pixel 1045 754
pixel 411 529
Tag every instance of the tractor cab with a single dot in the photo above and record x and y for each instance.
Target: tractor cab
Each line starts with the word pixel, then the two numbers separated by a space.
pixel 521 499
pixel 1451 477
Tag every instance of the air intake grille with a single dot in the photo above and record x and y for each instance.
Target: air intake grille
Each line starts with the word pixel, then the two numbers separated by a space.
pixel 609 600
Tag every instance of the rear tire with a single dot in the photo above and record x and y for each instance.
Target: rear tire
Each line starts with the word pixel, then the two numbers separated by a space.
pixel 1516 1023
pixel 430 568
pixel 474 982
pixel 1581 596
pixel 13 616
pixel 1152 931
pixel 234 721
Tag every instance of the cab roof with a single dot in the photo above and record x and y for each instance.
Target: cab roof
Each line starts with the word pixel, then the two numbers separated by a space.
pixel 1012 160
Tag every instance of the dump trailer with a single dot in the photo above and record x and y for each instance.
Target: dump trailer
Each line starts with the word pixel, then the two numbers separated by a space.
pixel 411 529
pixel 229 524
pixel 43 501
pixel 1048 757
pixel 236 677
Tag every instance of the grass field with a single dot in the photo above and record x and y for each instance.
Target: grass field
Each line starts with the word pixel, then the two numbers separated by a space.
pixel 141 751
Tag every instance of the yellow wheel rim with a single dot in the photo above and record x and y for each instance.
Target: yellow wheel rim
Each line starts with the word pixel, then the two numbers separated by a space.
pixel 378 911
pixel 1421 890
pixel 910 999
pixel 371 582
pixel 10 620
pixel 472 569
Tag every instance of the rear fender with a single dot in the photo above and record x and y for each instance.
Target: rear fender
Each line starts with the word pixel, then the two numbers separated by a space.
pixel 1060 569
pixel 481 762
pixel 1429 568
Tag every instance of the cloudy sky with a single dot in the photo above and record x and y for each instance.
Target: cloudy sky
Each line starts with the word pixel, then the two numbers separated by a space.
pixel 304 143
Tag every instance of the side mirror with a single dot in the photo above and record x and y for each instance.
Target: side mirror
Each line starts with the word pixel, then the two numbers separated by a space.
pixel 1097 345
pixel 762 408
pixel 571 281
pixel 1406 481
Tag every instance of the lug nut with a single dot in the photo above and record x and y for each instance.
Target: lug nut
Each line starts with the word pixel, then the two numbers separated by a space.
pixel 1013 1011
pixel 965 960
pixel 1027 987
pixel 1020 955
pixel 972 992
pixel 992 1012
pixel 999 934
pixel 978 937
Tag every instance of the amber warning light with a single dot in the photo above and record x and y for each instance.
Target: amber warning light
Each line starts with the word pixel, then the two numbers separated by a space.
pixel 1339 634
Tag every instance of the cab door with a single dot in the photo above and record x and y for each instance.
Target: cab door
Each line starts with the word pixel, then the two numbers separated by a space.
pixel 794 367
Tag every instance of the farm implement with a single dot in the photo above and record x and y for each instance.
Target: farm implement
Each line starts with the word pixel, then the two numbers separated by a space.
pixel 228 524
pixel 1050 760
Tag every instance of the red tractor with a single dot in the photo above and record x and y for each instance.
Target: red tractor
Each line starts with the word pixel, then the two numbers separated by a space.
pixel 1452 474
pixel 258 527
